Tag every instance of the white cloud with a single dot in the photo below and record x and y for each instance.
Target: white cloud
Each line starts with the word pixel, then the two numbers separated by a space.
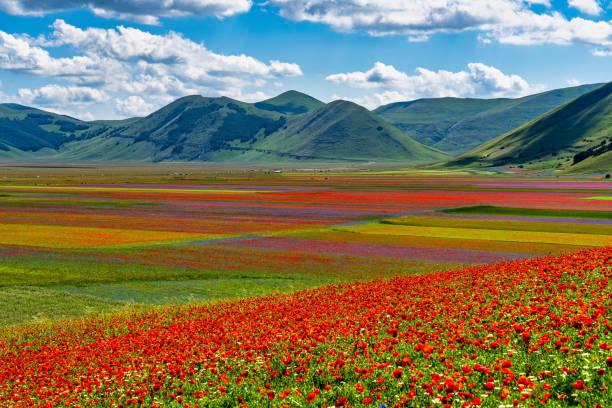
pixel 170 55
pixel 133 106
pixel 591 7
pixel 142 11
pixel 18 54
pixel 573 82
pixel 127 61
pixel 506 21
pixel 55 95
pixel 284 69
pixel 479 80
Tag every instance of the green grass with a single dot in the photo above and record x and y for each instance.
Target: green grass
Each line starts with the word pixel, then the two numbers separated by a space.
pixel 532 212
pixel 48 272
pixel 46 286
pixel 35 304
pixel 27 304
pixel 189 291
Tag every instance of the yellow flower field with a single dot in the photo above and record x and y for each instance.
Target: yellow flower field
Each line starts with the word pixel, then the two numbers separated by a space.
pixel 485 234
pixel 54 236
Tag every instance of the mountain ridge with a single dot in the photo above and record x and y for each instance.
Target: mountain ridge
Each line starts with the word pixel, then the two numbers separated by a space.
pixel 222 129
pixel 197 128
pixel 456 125
pixel 574 136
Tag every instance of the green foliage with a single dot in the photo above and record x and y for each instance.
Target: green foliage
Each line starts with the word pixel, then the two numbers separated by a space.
pixel 243 127
pixel 68 126
pixel 602 148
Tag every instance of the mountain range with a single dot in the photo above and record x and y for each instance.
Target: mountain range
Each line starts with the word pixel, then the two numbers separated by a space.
pixel 294 126
pixel 576 137
pixel 290 127
pixel 456 125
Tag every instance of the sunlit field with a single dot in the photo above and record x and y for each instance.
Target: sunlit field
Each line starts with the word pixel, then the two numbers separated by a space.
pixel 310 287
pixel 235 233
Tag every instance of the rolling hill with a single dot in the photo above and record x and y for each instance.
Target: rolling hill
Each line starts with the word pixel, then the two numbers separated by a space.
pixel 25 129
pixel 195 128
pixel 576 137
pixel 348 131
pixel 456 125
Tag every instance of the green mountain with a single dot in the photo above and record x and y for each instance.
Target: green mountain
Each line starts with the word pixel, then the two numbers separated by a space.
pixel 456 125
pixel 576 137
pixel 28 129
pixel 291 103
pixel 346 131
pixel 195 128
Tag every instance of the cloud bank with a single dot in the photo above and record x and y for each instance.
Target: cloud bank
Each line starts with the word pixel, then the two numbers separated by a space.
pixel 123 62
pixel 142 11
pixel 391 85
pixel 505 21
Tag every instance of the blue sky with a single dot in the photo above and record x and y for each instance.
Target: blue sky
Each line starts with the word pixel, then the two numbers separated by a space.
pixel 114 59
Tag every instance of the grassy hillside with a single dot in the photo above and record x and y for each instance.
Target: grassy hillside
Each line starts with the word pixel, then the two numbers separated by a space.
pixel 347 131
pixel 457 125
pixel 574 137
pixel 195 128
pixel 291 103
pixel 28 129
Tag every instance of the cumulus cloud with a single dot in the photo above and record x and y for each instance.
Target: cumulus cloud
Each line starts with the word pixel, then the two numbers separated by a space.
pixel 574 82
pixel 142 11
pixel 506 21
pixel 133 106
pixel 56 95
pixel 18 54
pixel 479 80
pixel 127 61
pixel 591 7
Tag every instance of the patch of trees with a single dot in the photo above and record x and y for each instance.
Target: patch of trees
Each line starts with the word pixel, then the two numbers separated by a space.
pixel 70 127
pixel 593 151
pixel 40 118
pixel 27 135
pixel 243 127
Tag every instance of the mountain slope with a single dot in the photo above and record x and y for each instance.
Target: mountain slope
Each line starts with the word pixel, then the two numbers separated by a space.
pixel 28 129
pixel 346 131
pixel 457 125
pixel 195 128
pixel 575 136
pixel 290 103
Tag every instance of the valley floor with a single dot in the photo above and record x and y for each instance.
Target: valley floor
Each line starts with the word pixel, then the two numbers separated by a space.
pixel 84 240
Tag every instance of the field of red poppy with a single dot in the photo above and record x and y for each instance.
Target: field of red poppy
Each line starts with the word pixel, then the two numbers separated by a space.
pixel 520 333
pixel 306 288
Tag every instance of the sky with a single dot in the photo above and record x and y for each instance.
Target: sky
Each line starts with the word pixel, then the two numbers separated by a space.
pixel 110 59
